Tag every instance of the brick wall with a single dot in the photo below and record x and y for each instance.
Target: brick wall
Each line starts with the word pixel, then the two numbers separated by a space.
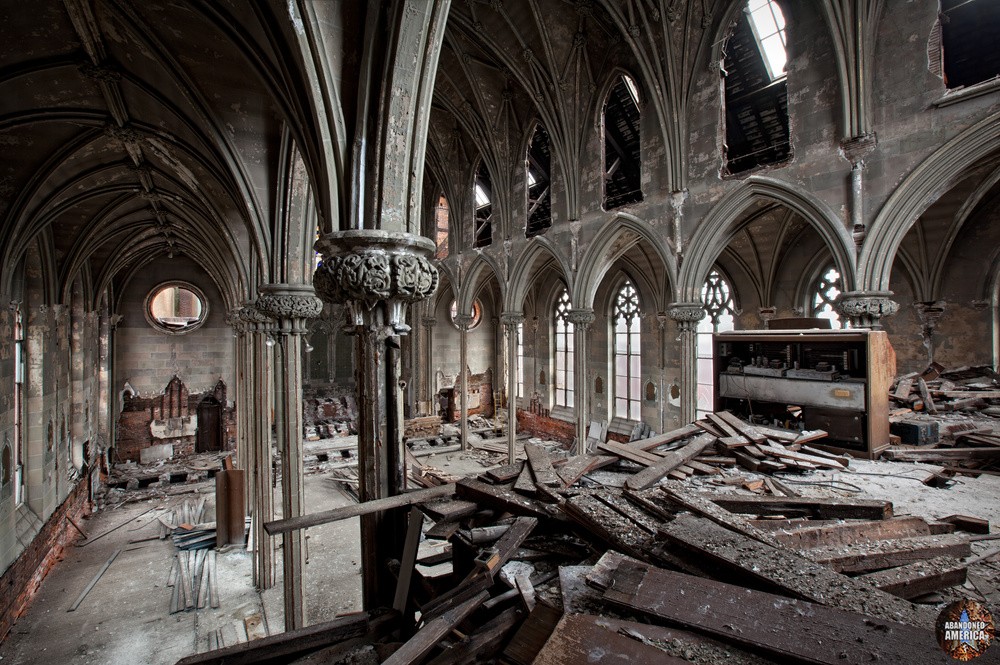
pixel 23 578
pixel 545 427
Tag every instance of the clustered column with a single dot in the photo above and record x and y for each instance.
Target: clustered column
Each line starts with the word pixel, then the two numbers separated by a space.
pixel 511 321
pixel 428 362
pixel 687 315
pixel 377 275
pixel 291 306
pixel 463 321
pixel 581 320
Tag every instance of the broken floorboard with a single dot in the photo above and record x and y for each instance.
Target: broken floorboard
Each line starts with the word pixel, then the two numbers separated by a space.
pixel 866 557
pixel 577 638
pixel 917 579
pixel 789 630
pixel 819 508
pixel 848 533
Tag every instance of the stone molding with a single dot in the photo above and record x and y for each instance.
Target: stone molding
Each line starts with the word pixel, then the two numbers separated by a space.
pixel 463 321
pixel 865 309
pixel 511 319
pixel 581 317
pixel 686 314
pixel 256 320
pixel 363 268
pixel 290 305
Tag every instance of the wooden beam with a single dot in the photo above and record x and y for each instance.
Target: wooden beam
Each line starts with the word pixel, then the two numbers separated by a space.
pixel 277 527
pixel 821 508
pixel 850 533
pixel 864 557
pixel 578 638
pixel 918 578
pixel 494 558
pixel 408 560
pixel 671 460
pixel 421 644
pixel 541 465
pixel 97 577
pixel 500 497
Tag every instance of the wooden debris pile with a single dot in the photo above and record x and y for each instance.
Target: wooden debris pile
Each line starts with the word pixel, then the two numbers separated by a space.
pixel 937 389
pixel 524 564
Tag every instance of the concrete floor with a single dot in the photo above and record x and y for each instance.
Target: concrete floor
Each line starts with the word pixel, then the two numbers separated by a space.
pixel 125 617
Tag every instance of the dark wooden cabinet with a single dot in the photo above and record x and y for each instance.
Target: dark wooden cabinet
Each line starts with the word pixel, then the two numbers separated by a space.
pixel 834 380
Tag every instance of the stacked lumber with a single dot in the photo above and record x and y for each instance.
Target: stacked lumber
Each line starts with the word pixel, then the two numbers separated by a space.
pixel 525 564
pixel 193 580
pixel 422 427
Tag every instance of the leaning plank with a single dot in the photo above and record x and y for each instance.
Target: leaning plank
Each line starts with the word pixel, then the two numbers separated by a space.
pixel 864 557
pixel 787 571
pixel 421 644
pixel 578 639
pixel 579 466
pixel 919 578
pixel 821 508
pixel 700 504
pixel 97 577
pixel 651 475
pixel 779 451
pixel 529 639
pixel 294 523
pixel 541 465
pixel 849 533
pixel 486 640
pixel 284 645
pixel 787 630
pixel 744 428
pixel 493 559
pixel 723 425
pixel 608 524
pixel 408 559
pixel 629 453
pixel 498 496
pixel 666 438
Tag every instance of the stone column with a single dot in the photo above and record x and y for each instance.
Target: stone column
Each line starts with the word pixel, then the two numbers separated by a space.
pixel 463 321
pixel 865 309
pixel 428 363
pixel 929 313
pixel 581 320
pixel 240 397
pixel 258 462
pixel 291 306
pixel 510 321
pixel 687 315
pixel 376 275
pixel 855 150
pixel 661 325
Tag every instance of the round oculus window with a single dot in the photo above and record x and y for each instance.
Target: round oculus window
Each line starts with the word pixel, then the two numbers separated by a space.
pixel 477 314
pixel 176 308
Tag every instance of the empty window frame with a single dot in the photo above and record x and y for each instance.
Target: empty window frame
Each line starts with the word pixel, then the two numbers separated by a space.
pixel 756 91
pixel 720 309
pixel 825 290
pixel 537 169
pixel 622 176
pixel 969 52
pixel 483 195
pixel 20 477
pixel 441 228
pixel 627 357
pixel 563 351
pixel 520 360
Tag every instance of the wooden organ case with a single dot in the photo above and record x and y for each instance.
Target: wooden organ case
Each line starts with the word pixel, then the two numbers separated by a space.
pixel 834 380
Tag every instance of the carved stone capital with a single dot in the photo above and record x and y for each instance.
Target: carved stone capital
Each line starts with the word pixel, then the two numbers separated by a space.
pixel 581 317
pixel 428 323
pixel 290 305
pixel 234 321
pixel 368 269
pixel 857 148
pixel 686 314
pixel 865 309
pixel 511 320
pixel 256 320
pixel 463 321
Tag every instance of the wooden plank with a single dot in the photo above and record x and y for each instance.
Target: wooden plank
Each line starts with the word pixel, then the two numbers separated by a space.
pixel 417 647
pixel 671 460
pixel 968 523
pixel 941 454
pixel 918 578
pixel 531 637
pixel 408 559
pixel 276 527
pixel 903 388
pixel 666 438
pixel 723 426
pixel 449 510
pixel 282 646
pixel 820 508
pixel 525 483
pixel 579 466
pixel 925 395
pixel 850 533
pixel 578 639
pixel 785 629
pixel 494 558
pixel 498 496
pixel 865 557
pixel 482 643
pixel 97 577
pixel 776 568
pixel 607 524
pixel 506 473
pixel 747 430
pixel 700 504
pixel 802 457
pixel 629 453
pixel 541 465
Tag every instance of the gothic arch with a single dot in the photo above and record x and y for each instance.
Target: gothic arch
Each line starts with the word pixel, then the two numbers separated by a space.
pixel 481 269
pixel 925 185
pixel 522 271
pixel 720 225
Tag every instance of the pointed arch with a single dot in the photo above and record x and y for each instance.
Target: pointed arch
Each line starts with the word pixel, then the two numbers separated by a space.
pixel 523 269
pixel 723 221
pixel 483 266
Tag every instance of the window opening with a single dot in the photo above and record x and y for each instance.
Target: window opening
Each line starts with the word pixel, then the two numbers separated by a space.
pixel 477 314
pixel 622 177
pixel 563 351
pixel 441 228
pixel 538 163
pixel 176 308
pixel 520 360
pixel 483 191
pixel 720 310
pixel 756 90
pixel 628 365
pixel 969 52
pixel 825 291
pixel 20 476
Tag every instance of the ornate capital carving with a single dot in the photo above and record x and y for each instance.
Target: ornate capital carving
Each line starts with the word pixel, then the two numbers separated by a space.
pixel 686 314
pixel 255 320
pixel 234 321
pixel 290 305
pixel 511 319
pixel 865 309
pixel 428 323
pixel 463 321
pixel 856 148
pixel 367 269
pixel 581 317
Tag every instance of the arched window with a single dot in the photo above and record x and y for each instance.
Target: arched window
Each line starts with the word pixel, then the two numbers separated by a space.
pixel 969 30
pixel 537 166
pixel 520 360
pixel 628 364
pixel 622 181
pixel 483 193
pixel 756 94
pixel 825 290
pixel 441 228
pixel 563 355
pixel 720 310
pixel 20 477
